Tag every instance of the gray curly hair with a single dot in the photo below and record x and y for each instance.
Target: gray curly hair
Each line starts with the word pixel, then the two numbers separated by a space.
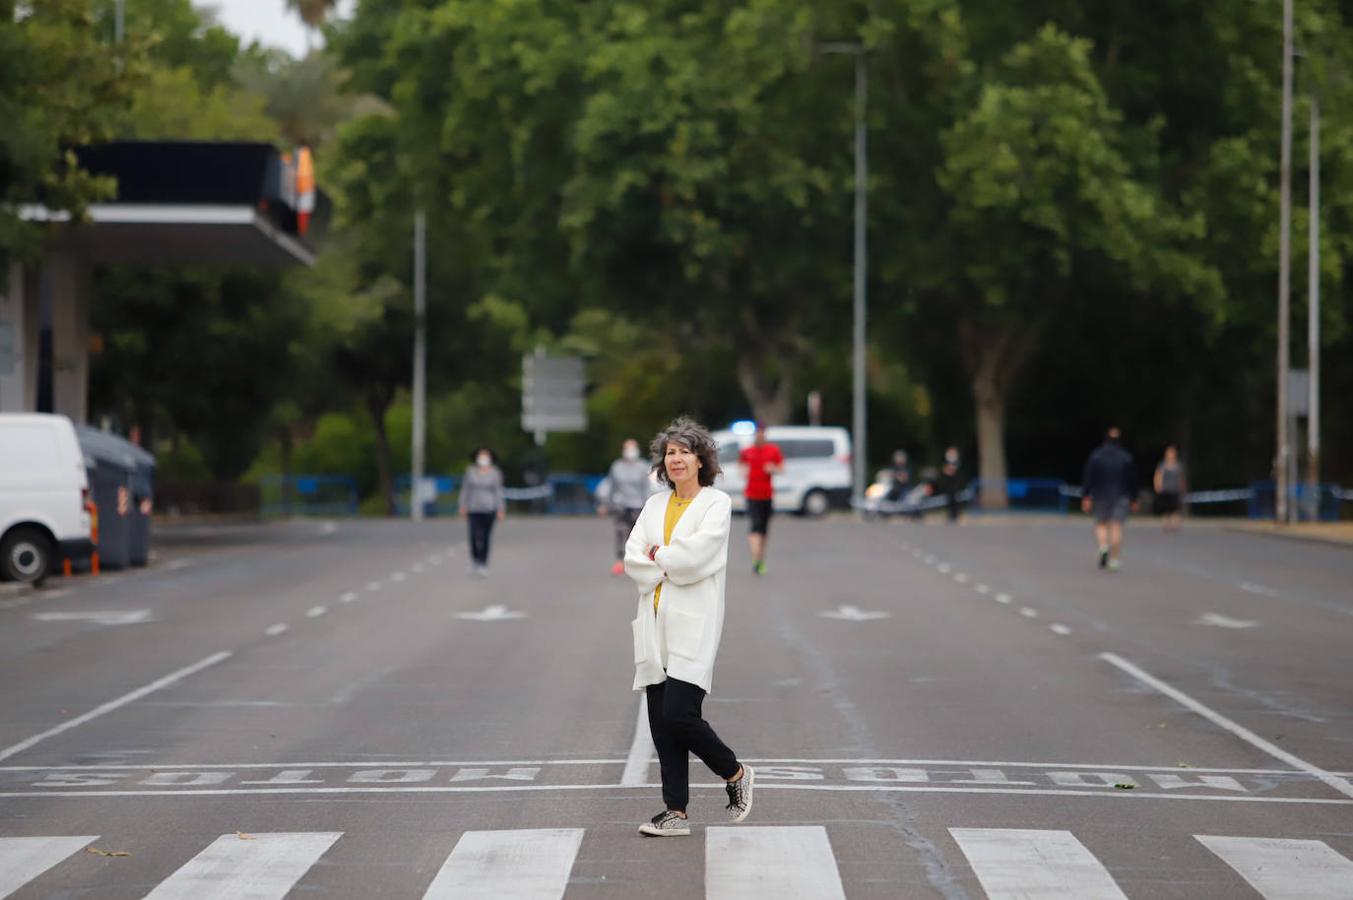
pixel 694 437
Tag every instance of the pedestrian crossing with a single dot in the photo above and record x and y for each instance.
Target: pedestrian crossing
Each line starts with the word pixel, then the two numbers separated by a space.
pixel 741 863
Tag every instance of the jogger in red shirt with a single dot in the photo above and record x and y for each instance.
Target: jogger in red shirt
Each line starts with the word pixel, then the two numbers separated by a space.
pixel 759 462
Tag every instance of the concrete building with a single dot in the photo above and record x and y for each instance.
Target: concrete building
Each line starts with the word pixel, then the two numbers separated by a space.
pixel 181 203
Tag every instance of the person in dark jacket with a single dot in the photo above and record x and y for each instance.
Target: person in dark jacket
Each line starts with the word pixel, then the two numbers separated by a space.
pixel 1109 491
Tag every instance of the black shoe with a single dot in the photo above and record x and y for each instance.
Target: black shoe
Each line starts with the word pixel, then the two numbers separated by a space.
pixel 1104 558
pixel 666 824
pixel 740 794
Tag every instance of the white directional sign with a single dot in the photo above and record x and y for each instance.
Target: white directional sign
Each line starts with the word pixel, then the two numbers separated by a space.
pixel 1220 621
pixel 552 389
pixel 495 613
pixel 852 614
pixel 98 617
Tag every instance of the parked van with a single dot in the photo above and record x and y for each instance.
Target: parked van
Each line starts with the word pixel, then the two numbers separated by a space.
pixel 44 496
pixel 816 477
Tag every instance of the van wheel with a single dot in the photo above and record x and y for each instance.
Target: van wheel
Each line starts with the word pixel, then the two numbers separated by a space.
pixel 816 504
pixel 25 555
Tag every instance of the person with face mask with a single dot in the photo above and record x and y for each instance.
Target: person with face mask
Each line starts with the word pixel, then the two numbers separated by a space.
pixel 950 483
pixel 482 502
pixel 623 493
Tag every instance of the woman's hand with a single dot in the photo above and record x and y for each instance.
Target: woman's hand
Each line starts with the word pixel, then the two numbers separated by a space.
pixel 502 514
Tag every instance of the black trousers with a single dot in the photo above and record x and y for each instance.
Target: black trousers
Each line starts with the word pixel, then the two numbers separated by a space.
pixel 624 524
pixel 678 731
pixel 481 526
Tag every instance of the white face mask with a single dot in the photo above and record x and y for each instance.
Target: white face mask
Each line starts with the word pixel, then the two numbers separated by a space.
pixel 631 453
pixel 484 460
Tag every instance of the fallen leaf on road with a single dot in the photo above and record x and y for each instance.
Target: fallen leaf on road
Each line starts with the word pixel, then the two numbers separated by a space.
pixel 1124 786
pixel 245 837
pixel 100 852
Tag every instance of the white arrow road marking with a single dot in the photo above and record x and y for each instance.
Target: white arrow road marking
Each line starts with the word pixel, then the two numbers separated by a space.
pixel 852 614
pixel 1221 621
pixel 495 613
pixel 98 617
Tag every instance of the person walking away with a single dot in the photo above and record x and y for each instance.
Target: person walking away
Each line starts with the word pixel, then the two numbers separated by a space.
pixel 623 494
pixel 901 478
pixel 1169 485
pixel 760 463
pixel 1109 491
pixel 678 558
pixel 482 502
pixel 950 483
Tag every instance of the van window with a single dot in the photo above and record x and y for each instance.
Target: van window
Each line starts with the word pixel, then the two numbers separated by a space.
pixel 807 448
pixel 29 450
pixel 729 453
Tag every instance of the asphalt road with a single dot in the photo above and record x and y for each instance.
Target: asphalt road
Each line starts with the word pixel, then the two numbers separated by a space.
pixel 341 710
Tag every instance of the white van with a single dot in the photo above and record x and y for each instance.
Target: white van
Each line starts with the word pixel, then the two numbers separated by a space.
pixel 817 475
pixel 44 496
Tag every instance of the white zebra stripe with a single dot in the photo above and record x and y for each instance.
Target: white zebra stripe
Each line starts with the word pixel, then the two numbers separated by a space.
pixel 1028 864
pixel 791 862
pixel 1286 869
pixel 247 867
pixel 24 858
pixel 527 864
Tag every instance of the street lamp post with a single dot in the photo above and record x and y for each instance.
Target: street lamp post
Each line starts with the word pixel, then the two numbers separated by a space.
pixel 1280 505
pixel 420 355
pixel 859 419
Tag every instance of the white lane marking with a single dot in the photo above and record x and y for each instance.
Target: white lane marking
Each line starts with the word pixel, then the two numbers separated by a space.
pixel 1341 785
pixel 1028 864
pixel 526 864
pixel 495 613
pixel 1003 598
pixel 1252 588
pixel 929 560
pixel 275 630
pixel 349 597
pixel 24 858
pixel 641 748
pixel 792 862
pixel 315 612
pixel 1286 869
pixel 122 701
pixel 98 617
pixel 328 528
pixel 945 568
pixel 1028 612
pixel 982 589
pixel 397 577
pixel 852 614
pixel 1220 621
pixel 872 787
pixel 1059 629
pixel 373 585
pixel 961 578
pixel 416 568
pixel 259 867
pixel 177 564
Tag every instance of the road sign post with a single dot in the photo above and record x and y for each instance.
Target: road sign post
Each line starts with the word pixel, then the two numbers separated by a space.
pixel 552 394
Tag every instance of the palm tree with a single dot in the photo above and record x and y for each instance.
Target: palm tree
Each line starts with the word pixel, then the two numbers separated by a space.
pixel 312 13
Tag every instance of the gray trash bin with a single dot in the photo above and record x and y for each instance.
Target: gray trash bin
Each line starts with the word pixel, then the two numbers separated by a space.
pixel 143 502
pixel 111 467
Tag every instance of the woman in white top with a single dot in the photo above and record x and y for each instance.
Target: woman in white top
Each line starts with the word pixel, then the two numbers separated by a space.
pixel 677 555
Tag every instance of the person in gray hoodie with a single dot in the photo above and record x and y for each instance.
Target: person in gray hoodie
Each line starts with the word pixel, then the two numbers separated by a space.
pixel 623 493
pixel 482 502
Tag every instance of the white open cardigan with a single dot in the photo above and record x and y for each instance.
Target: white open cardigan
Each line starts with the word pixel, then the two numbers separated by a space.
pixel 682 638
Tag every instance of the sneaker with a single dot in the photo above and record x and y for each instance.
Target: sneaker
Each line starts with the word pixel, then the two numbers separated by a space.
pixel 1103 557
pixel 740 794
pixel 1114 565
pixel 482 570
pixel 618 568
pixel 666 824
pixel 759 567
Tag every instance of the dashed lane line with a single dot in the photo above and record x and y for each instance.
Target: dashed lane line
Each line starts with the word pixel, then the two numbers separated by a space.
pixel 349 597
pixel 315 612
pixel 275 630
pixel 1059 629
pixel 1028 612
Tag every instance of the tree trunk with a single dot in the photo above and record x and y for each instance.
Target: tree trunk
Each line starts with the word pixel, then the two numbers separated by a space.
pixel 769 392
pixel 377 407
pixel 994 357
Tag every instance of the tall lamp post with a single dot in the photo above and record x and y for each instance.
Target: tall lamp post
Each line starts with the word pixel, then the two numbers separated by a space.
pixel 420 357
pixel 859 419
pixel 1280 479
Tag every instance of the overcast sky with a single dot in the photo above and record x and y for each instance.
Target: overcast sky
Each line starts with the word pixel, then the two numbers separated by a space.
pixel 267 21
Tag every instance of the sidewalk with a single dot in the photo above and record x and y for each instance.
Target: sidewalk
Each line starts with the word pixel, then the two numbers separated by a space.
pixel 1325 532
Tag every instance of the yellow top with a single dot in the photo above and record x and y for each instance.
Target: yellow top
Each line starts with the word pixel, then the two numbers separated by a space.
pixel 675 507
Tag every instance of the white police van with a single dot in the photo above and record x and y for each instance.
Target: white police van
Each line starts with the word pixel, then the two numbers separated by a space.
pixel 44 496
pixel 817 474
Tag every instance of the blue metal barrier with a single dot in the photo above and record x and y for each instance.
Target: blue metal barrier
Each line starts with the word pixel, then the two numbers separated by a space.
pixel 311 495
